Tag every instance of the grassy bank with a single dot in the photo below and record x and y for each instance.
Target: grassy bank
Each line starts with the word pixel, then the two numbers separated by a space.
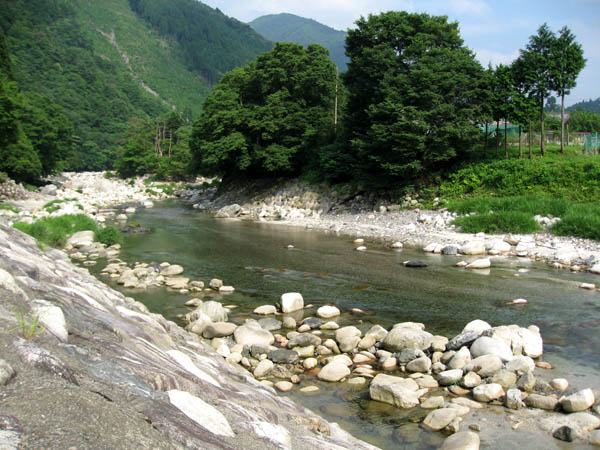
pixel 505 195
pixel 54 231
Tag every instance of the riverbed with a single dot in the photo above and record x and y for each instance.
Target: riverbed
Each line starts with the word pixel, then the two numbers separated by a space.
pixel 256 259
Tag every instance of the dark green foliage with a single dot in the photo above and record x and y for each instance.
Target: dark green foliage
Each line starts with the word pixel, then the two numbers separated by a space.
pixel 55 58
pixel 292 28
pixel 582 120
pixel 414 96
pixel 587 105
pixel 575 178
pixel 580 220
pixel 500 222
pixel 55 231
pixel 158 147
pixel 269 117
pixel 214 43
pixel 108 236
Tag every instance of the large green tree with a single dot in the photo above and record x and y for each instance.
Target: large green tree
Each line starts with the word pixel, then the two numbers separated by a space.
pixel 568 61
pixel 415 96
pixel 584 121
pixel 536 70
pixel 269 117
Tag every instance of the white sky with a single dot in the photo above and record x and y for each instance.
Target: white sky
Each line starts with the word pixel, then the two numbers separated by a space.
pixel 494 29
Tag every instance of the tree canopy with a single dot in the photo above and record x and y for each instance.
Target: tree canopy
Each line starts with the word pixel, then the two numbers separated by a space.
pixel 415 95
pixel 269 116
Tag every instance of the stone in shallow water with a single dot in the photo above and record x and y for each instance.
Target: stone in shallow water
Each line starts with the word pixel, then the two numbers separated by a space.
pixel 291 301
pixel 333 372
pixel 580 401
pixel 328 311
pixel 265 309
pixel 415 263
pixel 463 440
pixel 397 391
pixel 284 386
pixel 440 418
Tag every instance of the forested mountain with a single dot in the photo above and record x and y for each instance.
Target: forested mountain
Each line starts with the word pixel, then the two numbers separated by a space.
pixel 587 105
pixel 212 43
pixel 103 63
pixel 292 28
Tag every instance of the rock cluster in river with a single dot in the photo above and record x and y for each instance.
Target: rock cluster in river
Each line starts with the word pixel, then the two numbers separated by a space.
pixel 405 366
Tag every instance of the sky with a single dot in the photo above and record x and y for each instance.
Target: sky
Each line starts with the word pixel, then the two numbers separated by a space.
pixel 495 30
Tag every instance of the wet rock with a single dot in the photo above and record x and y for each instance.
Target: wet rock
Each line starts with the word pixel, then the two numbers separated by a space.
pixel 252 334
pixel 526 382
pixel 476 326
pixel 291 301
pixel 289 322
pixel 463 440
pixel 564 433
pixel 483 263
pixel 283 356
pixel 541 402
pixel 284 386
pixel 218 329
pixel 485 366
pixel 513 399
pixel 440 418
pixel 269 324
pixel 433 402
pixel 171 271
pixel 6 372
pixel 450 250
pixel 464 338
pixel 333 372
pixel 504 378
pixel 312 322
pixel 215 284
pixel 303 340
pixel 488 346
pixel 415 263
pixel 263 368
pixel 400 338
pixel 449 377
pixel 473 248
pixel 485 393
pixel 560 384
pixel 229 211
pixel 397 391
pixel 328 311
pixel 460 359
pixel 348 338
pixel 422 364
pixel 580 401
pixel 265 309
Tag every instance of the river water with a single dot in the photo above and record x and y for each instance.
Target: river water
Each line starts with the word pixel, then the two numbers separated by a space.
pixel 325 268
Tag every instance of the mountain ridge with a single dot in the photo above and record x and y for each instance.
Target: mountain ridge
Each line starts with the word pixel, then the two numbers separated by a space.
pixel 287 27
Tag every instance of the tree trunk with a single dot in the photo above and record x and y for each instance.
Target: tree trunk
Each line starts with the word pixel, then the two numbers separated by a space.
pixel 505 139
pixel 497 137
pixel 485 145
pixel 542 143
pixel 530 141
pixel 562 122
pixel 520 146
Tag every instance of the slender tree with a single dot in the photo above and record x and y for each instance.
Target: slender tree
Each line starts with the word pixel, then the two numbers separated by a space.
pixel 537 69
pixel 568 61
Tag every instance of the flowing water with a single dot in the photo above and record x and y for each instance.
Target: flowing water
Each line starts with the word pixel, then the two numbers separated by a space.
pixel 325 268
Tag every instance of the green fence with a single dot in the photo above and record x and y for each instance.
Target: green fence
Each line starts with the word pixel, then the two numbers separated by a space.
pixel 592 144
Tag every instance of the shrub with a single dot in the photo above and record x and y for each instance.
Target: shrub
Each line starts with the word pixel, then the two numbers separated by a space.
pixel 580 220
pixel 54 231
pixel 108 236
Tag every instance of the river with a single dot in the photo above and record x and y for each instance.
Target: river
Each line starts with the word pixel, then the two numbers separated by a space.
pixel 325 268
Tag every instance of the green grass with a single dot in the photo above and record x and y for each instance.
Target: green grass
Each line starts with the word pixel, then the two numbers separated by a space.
pixel 515 215
pixel 7 207
pixel 500 222
pixel 54 231
pixel 108 236
pixel 28 325
pixel 573 177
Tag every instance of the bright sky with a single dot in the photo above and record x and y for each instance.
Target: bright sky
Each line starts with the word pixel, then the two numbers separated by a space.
pixel 494 29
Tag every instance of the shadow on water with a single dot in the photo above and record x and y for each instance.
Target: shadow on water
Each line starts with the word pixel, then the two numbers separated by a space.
pixel 325 268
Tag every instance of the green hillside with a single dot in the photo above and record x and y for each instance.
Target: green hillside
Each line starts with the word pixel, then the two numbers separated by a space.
pixel 587 105
pixel 291 28
pixel 105 64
